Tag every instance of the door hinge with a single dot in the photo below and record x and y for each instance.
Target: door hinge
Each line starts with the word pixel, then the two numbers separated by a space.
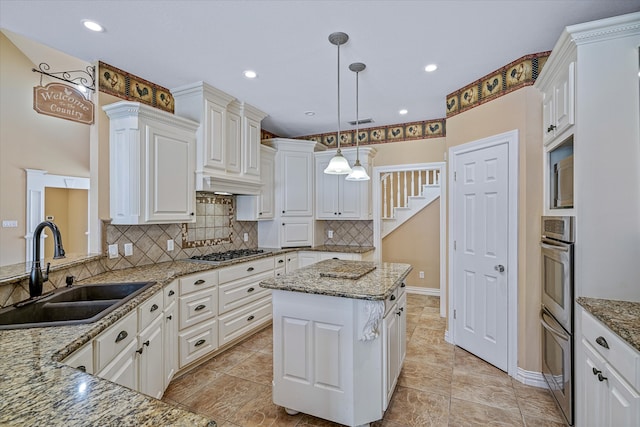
pixel 454 314
pixel 455 245
pixel 455 176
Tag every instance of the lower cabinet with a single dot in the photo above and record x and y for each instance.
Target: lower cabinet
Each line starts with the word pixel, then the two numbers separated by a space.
pixel 609 376
pixel 123 369
pixel 150 353
pixel 197 342
pixel 395 342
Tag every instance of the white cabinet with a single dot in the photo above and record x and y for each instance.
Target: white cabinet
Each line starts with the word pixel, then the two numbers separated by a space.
pixel 228 147
pixel 151 359
pixel 394 340
pixel 82 358
pixel 152 163
pixel 292 262
pixel 293 223
pixel 170 342
pixel 558 105
pixel 609 378
pixel 337 198
pixel 255 208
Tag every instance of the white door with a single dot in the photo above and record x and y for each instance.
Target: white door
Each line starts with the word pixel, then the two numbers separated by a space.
pixel 480 231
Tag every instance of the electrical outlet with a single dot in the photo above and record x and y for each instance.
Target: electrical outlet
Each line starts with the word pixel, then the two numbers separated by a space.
pixel 113 251
pixel 170 246
pixel 246 237
pixel 330 234
pixel 421 274
pixel 128 249
pixel 9 224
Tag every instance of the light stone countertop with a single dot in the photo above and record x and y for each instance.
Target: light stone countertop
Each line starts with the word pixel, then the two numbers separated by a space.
pixel 622 317
pixel 376 285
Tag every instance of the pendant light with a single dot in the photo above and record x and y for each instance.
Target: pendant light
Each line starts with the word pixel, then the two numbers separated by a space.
pixel 338 164
pixel 358 173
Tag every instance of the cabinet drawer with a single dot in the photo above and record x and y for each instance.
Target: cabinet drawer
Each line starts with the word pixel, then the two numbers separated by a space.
pixel 198 307
pixel 280 261
pixel 170 293
pixel 196 282
pixel 243 320
pixel 246 269
pixel 197 342
pixel 82 358
pixel 235 294
pixel 619 354
pixel 149 310
pixel 391 300
pixel 280 272
pixel 112 341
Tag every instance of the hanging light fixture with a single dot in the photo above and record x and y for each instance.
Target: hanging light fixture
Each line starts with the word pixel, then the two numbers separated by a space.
pixel 338 164
pixel 358 173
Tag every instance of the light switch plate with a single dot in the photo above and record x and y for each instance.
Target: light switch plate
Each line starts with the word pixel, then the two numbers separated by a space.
pixel 330 234
pixel 113 251
pixel 9 224
pixel 170 246
pixel 421 274
pixel 246 237
pixel 128 249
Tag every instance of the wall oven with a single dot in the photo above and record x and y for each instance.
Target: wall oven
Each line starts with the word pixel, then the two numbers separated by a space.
pixel 556 315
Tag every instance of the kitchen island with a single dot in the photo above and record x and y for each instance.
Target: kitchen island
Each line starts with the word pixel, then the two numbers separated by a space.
pixel 339 334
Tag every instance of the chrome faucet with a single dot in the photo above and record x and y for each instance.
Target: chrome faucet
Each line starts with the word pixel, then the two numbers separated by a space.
pixel 36 279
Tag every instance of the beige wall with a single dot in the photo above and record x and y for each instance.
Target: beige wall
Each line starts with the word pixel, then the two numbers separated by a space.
pixel 418 151
pixel 521 110
pixel 30 140
pixel 417 242
pixel 69 209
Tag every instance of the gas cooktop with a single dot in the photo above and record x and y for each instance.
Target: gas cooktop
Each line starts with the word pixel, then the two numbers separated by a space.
pixel 219 257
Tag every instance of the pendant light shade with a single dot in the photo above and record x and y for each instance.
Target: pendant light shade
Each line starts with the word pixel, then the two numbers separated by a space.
pixel 338 164
pixel 358 173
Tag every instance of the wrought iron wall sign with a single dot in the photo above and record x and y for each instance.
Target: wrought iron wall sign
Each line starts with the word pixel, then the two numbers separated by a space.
pixel 63 101
pixel 86 78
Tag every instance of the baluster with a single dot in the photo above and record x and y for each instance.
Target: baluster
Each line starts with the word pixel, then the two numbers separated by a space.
pixel 398 195
pixel 413 183
pixel 385 213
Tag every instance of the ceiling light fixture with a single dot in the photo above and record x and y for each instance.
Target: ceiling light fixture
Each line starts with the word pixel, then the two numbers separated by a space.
pixel 309 113
pixel 338 164
pixel 358 173
pixel 431 68
pixel 250 74
pixel 403 111
pixel 92 25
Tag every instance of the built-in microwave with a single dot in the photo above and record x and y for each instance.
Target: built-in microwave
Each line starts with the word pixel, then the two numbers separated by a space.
pixel 562 185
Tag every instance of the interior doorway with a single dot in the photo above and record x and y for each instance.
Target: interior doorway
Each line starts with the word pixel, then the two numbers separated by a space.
pixel 67 208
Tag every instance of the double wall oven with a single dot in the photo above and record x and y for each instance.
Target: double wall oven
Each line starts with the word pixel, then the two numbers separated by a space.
pixel 556 315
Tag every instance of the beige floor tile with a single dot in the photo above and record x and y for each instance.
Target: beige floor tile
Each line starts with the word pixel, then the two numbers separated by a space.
pixel 465 362
pixel 308 420
pixel 426 376
pixel 483 389
pixel 410 407
pixel 530 421
pixel 228 359
pixel 261 341
pixel 257 368
pixel 465 413
pixel 184 386
pixel 261 412
pixel 536 402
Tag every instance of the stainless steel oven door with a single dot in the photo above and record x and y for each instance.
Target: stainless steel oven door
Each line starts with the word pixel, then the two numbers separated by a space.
pixel 557 280
pixel 557 368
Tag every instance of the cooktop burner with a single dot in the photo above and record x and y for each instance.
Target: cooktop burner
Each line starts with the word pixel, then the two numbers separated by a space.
pixel 226 256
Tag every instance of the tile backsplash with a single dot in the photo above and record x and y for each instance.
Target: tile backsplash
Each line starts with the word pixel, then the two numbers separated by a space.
pixel 349 233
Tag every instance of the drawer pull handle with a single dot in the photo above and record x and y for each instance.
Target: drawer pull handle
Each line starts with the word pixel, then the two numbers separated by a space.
pixel 250 318
pixel 82 368
pixel 399 313
pixel 250 269
pixel 153 308
pixel 392 298
pixel 335 257
pixel 250 290
pixel 199 343
pixel 122 335
pixel 280 261
pixel 599 374
pixel 198 282
pixel 200 307
pixel 602 342
pixel 171 293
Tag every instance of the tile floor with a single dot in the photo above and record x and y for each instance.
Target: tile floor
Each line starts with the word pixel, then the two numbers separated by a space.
pixel 440 385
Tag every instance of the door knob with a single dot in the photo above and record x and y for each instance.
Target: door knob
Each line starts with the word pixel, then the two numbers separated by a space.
pixel 499 268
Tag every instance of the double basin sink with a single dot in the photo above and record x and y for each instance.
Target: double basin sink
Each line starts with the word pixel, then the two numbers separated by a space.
pixel 71 305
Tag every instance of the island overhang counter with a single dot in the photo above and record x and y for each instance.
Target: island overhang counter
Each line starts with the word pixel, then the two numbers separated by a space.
pixel 339 338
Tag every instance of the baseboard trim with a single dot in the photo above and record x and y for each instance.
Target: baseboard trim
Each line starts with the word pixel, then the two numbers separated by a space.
pixel 534 379
pixel 447 337
pixel 434 292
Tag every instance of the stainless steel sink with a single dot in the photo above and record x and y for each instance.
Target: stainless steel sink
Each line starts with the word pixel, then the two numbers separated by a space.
pixel 71 306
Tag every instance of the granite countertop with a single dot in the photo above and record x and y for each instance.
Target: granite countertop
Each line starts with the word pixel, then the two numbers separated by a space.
pixel 16 272
pixel 376 285
pixel 622 317
pixel 341 248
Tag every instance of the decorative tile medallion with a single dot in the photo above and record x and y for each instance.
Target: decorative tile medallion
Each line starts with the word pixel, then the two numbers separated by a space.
pixel 117 82
pixel 214 221
pixel 492 86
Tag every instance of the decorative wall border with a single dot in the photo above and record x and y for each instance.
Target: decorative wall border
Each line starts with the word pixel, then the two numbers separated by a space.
pixel 117 82
pixel 384 134
pixel 519 73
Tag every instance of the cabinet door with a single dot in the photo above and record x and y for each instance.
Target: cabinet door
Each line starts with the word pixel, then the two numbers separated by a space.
pixel 350 201
pixel 170 343
pixel 214 136
pixel 233 142
pixel 307 258
pixel 251 148
pixel 123 369
pixel 592 397
pixel 297 184
pixel 402 328
pixel 548 116
pixel 267 195
pixel 326 192
pixel 82 358
pixel 170 163
pixel 297 232
pixel 391 353
pixel 622 400
pixel 151 358
pixel 565 99
pixel 292 262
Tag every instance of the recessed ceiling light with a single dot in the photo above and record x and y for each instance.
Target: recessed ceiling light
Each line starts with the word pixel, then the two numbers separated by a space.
pixel 430 68
pixel 309 113
pixel 92 25
pixel 250 74
pixel 403 111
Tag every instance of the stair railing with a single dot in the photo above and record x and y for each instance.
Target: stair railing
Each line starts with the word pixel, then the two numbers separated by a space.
pixel 398 186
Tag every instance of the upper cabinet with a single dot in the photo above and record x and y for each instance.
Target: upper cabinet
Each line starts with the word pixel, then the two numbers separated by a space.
pixel 228 147
pixel 151 165
pixel 255 208
pixel 337 198
pixel 558 105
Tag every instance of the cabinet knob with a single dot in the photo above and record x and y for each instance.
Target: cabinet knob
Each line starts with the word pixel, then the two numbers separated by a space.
pixel 140 350
pixel 392 298
pixel 250 269
pixel 191 214
pixel 169 317
pixel 339 213
pixel 602 342
pixel 250 290
pixel 283 224
pixel 82 368
pixel 171 293
pixel 280 261
pixel 145 343
pixel 282 211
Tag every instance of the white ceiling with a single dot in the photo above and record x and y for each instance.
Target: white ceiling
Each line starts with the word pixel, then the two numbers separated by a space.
pixel 173 43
